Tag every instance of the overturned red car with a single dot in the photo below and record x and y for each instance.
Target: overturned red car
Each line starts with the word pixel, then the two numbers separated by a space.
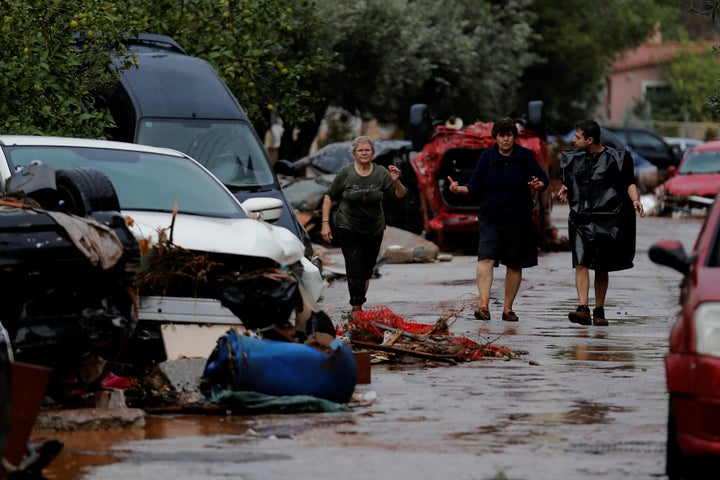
pixel 451 220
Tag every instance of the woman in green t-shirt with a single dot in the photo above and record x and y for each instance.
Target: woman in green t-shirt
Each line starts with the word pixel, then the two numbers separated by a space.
pixel 360 221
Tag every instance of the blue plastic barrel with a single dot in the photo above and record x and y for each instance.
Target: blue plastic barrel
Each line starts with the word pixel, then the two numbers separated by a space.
pixel 283 368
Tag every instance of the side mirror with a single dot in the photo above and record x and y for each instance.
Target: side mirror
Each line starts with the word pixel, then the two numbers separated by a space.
pixel 267 209
pixel 671 253
pixel 672 170
pixel 284 167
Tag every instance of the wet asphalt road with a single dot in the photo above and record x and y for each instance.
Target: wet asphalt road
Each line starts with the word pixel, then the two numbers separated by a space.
pixel 582 403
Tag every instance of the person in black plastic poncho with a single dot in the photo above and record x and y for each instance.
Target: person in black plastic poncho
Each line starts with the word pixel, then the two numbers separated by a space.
pixel 598 183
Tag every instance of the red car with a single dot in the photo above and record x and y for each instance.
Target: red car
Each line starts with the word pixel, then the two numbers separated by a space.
pixel 693 364
pixel 450 220
pixel 693 185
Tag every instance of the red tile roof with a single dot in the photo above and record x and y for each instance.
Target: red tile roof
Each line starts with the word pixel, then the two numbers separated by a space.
pixel 650 54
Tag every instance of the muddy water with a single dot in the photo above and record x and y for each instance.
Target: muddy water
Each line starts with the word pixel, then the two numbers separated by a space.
pixel 84 449
pixel 579 402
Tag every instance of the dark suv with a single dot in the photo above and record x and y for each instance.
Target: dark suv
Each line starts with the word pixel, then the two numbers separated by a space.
pixel 178 101
pixel 650 145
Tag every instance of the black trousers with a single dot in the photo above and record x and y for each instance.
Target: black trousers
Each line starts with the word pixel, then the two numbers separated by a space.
pixel 360 252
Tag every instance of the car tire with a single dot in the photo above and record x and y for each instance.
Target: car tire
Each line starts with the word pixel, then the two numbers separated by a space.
pixel 421 126
pixel 84 190
pixel 674 458
pixel 678 465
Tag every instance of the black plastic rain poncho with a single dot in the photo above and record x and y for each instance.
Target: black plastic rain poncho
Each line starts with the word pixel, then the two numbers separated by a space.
pixel 602 219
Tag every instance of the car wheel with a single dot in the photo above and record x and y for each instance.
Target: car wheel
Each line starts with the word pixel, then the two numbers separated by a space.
pixel 84 190
pixel 673 455
pixel 421 126
pixel 677 464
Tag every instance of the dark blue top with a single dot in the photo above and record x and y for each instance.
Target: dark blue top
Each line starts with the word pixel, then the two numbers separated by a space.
pixel 501 183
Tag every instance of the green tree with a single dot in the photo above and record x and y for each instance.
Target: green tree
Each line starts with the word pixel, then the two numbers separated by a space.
pixel 46 87
pixel 711 8
pixel 693 78
pixel 464 57
pixel 579 41
pixel 267 51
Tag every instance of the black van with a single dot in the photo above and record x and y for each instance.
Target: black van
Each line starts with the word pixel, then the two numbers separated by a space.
pixel 179 101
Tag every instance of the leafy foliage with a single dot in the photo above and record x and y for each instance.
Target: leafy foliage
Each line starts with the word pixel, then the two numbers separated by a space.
pixel 45 86
pixel 465 58
pixel 711 8
pixel 579 41
pixel 267 51
pixel 470 58
pixel 693 79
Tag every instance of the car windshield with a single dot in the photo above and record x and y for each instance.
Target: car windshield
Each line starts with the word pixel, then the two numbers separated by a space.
pixel 229 149
pixel 143 181
pixel 701 162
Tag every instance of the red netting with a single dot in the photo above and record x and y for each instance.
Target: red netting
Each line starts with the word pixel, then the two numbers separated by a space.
pixel 373 319
pixel 371 325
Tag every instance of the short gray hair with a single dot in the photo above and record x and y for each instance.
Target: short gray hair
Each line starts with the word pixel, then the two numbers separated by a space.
pixel 361 139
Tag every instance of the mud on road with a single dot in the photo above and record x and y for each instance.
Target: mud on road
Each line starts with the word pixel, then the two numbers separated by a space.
pixel 582 402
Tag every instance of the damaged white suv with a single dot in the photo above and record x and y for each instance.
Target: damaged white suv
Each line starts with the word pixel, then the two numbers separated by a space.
pixel 207 261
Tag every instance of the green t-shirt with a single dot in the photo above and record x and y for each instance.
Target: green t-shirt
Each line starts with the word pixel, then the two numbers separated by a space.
pixel 361 199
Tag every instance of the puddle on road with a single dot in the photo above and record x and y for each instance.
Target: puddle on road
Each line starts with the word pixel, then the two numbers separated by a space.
pixel 596 353
pixel 456 283
pixel 84 449
pixel 581 413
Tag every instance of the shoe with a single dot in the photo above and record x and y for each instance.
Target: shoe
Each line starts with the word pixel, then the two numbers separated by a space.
pixel 599 317
pixel 581 315
pixel 510 316
pixel 482 313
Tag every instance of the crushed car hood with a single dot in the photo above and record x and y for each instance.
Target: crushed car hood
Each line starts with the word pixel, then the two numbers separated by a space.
pixel 251 238
pixel 704 184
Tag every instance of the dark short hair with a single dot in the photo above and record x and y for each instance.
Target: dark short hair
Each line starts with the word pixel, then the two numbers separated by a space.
pixel 590 129
pixel 504 125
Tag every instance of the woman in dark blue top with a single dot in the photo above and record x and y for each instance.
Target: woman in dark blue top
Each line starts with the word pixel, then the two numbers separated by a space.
pixel 505 178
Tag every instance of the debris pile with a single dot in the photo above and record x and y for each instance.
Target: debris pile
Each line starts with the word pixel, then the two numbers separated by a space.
pixel 381 329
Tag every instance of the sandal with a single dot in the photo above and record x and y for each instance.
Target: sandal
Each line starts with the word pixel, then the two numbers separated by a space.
pixel 510 316
pixel 482 313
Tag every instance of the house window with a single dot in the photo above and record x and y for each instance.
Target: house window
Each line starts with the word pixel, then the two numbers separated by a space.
pixel 657 95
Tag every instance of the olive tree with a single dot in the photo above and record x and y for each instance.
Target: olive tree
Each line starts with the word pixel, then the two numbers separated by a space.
pixel 47 79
